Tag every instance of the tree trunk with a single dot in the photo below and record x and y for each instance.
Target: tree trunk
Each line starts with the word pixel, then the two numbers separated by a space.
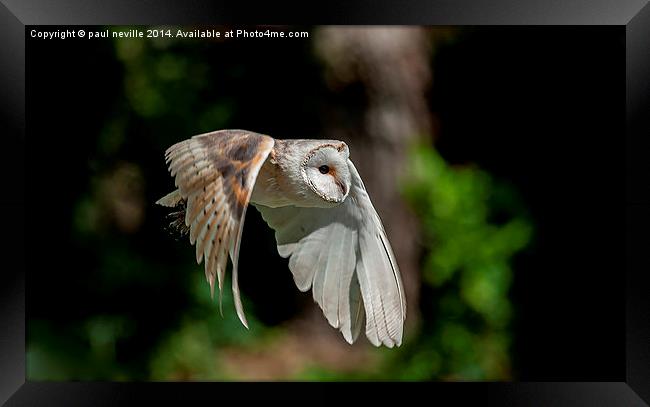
pixel 392 65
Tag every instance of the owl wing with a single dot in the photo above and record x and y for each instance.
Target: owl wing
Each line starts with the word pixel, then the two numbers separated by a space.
pixel 343 254
pixel 215 174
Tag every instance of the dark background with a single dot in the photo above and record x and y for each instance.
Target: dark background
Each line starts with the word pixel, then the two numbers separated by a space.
pixel 543 108
pixel 540 107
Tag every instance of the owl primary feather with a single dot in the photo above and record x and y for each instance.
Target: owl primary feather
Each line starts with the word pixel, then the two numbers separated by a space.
pixel 311 194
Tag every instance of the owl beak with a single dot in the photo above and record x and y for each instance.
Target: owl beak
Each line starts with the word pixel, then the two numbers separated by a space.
pixel 341 187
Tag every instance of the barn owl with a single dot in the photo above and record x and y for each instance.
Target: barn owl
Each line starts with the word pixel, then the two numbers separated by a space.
pixel 311 194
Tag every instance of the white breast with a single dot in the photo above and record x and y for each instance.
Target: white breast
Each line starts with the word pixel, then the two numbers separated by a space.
pixel 269 188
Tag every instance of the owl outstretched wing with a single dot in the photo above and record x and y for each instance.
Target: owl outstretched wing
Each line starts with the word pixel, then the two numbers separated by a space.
pixel 343 255
pixel 215 174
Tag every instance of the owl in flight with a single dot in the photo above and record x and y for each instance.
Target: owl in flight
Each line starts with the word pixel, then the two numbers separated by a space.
pixel 311 194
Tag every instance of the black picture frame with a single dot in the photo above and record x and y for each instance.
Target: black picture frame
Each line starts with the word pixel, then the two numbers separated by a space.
pixel 634 15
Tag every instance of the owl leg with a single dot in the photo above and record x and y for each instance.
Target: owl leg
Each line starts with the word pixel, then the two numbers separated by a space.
pixel 177 225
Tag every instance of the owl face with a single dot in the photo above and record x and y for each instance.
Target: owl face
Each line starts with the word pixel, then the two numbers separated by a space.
pixel 325 171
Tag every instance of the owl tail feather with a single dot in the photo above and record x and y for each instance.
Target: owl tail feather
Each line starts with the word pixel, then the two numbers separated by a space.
pixel 171 200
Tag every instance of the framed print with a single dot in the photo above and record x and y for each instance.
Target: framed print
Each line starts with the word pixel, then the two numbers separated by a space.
pixel 452 197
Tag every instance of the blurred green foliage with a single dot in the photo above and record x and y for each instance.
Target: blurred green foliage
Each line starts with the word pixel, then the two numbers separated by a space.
pixel 472 227
pixel 192 351
pixel 164 84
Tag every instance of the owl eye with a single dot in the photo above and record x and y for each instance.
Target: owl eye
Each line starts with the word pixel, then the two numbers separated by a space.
pixel 324 169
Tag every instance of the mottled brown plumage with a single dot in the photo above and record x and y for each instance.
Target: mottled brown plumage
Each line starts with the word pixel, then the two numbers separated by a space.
pixel 215 174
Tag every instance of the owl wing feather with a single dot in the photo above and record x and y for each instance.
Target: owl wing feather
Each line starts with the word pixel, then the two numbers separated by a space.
pixel 215 174
pixel 343 254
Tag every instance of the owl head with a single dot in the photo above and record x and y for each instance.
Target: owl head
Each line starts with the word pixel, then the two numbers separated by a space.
pixel 325 172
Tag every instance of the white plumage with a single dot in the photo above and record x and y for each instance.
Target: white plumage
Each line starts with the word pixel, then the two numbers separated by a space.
pixel 311 194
